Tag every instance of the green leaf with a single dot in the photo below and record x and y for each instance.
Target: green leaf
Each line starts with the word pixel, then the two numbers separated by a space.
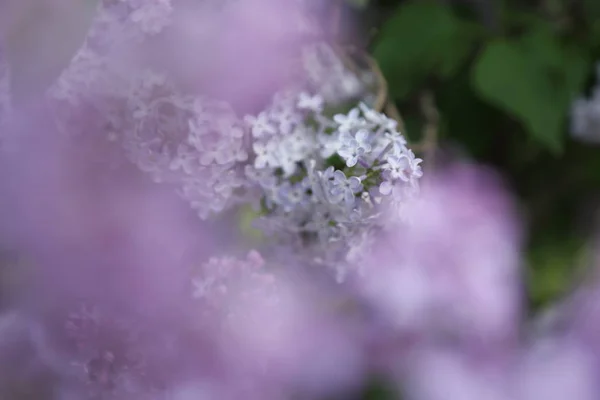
pixel 464 116
pixel 505 77
pixel 534 79
pixel 552 267
pixel 422 39
pixel 591 9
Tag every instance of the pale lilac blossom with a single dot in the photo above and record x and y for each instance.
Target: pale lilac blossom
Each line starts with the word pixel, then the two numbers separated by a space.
pixel 350 121
pixel 354 146
pixel 312 103
pixel 261 125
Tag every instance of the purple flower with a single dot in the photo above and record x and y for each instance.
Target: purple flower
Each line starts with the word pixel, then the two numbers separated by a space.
pixel 439 374
pixel 557 368
pixel 455 268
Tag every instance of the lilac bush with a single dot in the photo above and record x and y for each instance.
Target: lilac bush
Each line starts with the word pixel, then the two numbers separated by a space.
pixel 121 183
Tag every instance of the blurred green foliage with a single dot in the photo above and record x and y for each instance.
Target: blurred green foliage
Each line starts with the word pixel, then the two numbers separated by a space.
pixel 422 40
pixel 504 74
pixel 532 75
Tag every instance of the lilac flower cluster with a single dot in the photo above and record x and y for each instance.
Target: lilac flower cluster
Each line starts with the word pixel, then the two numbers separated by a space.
pixel 325 179
pixel 179 138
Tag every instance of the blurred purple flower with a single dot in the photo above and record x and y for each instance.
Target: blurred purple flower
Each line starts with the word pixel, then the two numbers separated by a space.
pixel 282 331
pixel 438 374
pixel 454 269
pixel 555 368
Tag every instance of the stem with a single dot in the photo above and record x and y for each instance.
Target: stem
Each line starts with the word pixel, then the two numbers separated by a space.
pixel 363 163
pixel 383 153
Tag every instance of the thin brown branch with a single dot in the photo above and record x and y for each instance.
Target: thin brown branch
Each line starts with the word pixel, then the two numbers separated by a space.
pixel 381 83
pixel 382 86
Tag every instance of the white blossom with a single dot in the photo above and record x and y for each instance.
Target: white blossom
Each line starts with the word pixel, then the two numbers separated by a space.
pixel 354 146
pixel 265 154
pixel 261 125
pixel 311 103
pixel 350 121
